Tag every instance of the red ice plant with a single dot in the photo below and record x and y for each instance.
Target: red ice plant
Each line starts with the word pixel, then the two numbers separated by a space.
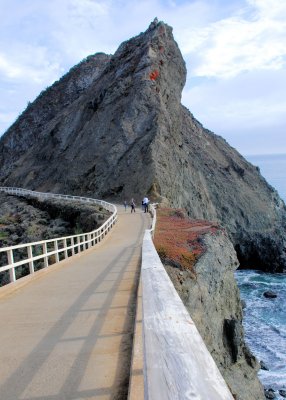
pixel 178 239
pixel 154 75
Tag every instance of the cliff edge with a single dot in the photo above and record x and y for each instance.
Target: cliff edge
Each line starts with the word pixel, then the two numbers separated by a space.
pixel 211 296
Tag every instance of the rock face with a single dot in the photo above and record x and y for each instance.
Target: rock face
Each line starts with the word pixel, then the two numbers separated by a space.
pixel 30 127
pixel 212 299
pixel 114 127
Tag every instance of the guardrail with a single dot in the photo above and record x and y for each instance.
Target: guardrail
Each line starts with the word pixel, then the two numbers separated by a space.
pixel 51 251
pixel 176 362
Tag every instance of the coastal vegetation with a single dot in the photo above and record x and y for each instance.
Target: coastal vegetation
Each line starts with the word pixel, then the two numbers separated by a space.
pixel 178 239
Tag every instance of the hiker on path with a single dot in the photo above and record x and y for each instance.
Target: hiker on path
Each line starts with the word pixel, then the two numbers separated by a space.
pixel 146 204
pixel 132 204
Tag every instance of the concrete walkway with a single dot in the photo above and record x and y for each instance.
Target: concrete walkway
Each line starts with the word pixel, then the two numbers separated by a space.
pixel 68 333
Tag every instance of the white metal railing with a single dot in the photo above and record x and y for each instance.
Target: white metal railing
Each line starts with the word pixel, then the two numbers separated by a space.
pixel 176 362
pixel 56 249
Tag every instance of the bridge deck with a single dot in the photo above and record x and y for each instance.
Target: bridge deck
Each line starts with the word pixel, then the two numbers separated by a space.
pixel 68 334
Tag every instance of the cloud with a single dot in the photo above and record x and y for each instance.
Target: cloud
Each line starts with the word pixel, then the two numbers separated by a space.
pixel 28 63
pixel 237 78
pixel 5 120
pixel 269 8
pixel 88 9
pixel 252 39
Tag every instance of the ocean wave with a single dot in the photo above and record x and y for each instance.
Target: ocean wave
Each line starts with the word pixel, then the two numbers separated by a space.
pixel 249 285
pixel 265 323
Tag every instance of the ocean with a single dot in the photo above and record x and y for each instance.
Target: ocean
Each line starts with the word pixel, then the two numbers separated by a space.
pixel 273 169
pixel 265 319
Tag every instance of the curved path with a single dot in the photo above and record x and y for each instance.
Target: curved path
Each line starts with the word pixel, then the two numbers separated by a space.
pixel 67 333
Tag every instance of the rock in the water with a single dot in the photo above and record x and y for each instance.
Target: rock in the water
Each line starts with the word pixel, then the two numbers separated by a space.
pixel 270 295
pixel 263 366
pixel 282 392
pixel 269 394
pixel 243 304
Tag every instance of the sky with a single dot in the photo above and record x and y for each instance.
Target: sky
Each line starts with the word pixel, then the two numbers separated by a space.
pixel 235 53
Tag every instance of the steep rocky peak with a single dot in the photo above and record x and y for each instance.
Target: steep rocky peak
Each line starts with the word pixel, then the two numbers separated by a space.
pixel 153 57
pixel 53 100
pixel 114 127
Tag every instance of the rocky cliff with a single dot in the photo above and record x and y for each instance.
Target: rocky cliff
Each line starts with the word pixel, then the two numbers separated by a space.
pixel 30 126
pixel 211 296
pixel 114 127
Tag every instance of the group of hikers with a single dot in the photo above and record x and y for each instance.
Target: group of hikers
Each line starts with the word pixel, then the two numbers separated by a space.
pixel 144 205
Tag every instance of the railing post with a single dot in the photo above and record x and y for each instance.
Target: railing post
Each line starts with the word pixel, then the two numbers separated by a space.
pixel 45 250
pixel 65 248
pixel 31 262
pixel 11 262
pixel 56 248
pixel 72 246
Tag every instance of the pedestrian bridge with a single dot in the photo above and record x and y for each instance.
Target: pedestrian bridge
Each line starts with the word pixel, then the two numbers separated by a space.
pixel 67 330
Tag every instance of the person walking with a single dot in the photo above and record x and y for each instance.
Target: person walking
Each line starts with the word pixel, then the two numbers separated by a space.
pixel 132 204
pixel 146 204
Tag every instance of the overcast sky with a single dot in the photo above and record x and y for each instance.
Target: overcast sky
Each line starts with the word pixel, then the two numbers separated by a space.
pixel 235 52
